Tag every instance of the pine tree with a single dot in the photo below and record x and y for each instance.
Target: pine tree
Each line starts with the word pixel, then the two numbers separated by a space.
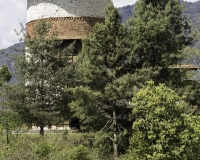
pixel 104 76
pixel 101 61
pixel 158 32
pixel 42 71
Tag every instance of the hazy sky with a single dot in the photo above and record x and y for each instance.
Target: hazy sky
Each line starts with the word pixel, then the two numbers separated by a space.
pixel 13 12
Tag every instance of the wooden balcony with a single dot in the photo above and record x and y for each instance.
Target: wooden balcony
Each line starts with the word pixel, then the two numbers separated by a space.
pixel 185 66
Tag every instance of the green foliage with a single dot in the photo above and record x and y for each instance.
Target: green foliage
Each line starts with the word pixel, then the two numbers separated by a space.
pixel 12 117
pixel 11 126
pixel 65 134
pixel 14 96
pixel 5 75
pixel 162 130
pixel 43 149
pixel 42 72
pixel 191 11
pixel 104 73
pixel 157 34
pixel 30 147
pixel 79 152
pixel 53 146
pixel 103 145
pixel 101 66
pixel 190 89
pixel 84 108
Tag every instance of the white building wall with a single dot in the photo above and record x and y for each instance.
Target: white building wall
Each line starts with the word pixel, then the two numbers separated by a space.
pixel 38 9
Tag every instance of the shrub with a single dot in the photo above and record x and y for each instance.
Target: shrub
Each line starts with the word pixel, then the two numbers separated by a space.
pixel 79 152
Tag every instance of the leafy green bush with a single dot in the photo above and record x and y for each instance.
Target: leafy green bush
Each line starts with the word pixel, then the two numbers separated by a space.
pixel 79 152
pixel 43 149
pixel 162 130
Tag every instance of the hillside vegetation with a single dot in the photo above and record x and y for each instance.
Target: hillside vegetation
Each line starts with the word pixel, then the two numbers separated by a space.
pixel 122 94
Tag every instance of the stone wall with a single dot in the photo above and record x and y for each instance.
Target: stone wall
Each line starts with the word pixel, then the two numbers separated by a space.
pixel 38 9
pixel 68 28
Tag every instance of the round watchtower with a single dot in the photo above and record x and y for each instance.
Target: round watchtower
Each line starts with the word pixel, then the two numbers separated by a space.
pixel 73 19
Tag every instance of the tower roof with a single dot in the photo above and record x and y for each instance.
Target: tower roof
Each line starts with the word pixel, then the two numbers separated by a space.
pixel 38 9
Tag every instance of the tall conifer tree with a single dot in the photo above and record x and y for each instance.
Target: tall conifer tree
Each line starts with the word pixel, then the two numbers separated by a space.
pixel 157 34
pixel 42 72
pixel 102 66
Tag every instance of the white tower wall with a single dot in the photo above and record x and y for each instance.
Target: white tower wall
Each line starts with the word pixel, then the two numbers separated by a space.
pixel 72 19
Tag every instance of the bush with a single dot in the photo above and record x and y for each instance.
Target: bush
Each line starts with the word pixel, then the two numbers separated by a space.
pixel 162 131
pixel 43 149
pixel 79 152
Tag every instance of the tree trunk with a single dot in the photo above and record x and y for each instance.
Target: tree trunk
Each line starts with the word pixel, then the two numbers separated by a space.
pixel 42 130
pixel 7 132
pixel 115 154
